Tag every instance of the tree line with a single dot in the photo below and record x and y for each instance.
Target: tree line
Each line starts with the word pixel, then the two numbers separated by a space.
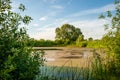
pixel 66 35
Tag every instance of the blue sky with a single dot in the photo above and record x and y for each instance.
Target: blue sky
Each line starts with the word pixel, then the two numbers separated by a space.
pixel 49 14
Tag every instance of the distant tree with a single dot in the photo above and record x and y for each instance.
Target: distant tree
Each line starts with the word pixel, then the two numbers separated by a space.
pixel 79 39
pixel 81 42
pixel 42 40
pixel 17 60
pixel 67 33
pixel 90 39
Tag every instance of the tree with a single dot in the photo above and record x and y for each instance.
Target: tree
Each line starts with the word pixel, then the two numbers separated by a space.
pixel 112 38
pixel 67 33
pixel 79 39
pixel 90 39
pixel 17 60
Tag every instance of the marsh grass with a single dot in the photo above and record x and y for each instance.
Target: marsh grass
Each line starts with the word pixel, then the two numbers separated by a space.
pixel 96 69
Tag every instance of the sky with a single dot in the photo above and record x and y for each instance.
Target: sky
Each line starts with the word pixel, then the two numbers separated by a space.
pixel 49 14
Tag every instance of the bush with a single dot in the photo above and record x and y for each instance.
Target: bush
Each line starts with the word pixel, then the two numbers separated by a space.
pixel 17 60
pixel 82 43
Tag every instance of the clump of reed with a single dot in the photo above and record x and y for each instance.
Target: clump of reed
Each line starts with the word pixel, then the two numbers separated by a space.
pixel 96 69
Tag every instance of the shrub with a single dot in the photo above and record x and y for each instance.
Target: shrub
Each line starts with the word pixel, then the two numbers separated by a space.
pixel 17 60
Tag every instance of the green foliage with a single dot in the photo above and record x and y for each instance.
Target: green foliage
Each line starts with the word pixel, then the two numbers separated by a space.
pixel 67 33
pixel 17 60
pixel 112 40
pixel 90 39
pixel 99 71
pixel 95 44
pixel 41 43
pixel 59 42
pixel 79 39
pixel 82 44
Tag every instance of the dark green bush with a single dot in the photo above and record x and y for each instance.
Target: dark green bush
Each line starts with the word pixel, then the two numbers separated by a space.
pixel 17 60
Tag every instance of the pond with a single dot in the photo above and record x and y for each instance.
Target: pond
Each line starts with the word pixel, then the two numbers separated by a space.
pixel 66 62
pixel 66 56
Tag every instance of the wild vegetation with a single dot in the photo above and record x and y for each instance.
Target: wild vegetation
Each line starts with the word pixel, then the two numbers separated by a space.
pixel 18 61
pixel 67 33
pixel 112 39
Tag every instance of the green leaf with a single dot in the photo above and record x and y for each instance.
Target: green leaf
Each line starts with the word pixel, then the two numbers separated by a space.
pixel 22 7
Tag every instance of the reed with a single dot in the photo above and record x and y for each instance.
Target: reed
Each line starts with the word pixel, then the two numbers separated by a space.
pixel 96 69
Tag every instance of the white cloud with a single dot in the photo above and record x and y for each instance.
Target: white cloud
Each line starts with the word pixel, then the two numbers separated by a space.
pixel 23 25
pixel 14 5
pixel 90 23
pixel 48 16
pixel 44 33
pixel 44 18
pixel 57 7
pixel 91 28
pixel 94 11
pixel 62 21
pixel 48 33
pixel 35 24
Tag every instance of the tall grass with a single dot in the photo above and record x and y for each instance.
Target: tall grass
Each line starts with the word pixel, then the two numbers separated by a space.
pixel 96 69
pixel 100 67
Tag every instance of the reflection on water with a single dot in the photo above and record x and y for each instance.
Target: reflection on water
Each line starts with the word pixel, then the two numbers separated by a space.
pixel 59 56
pixel 50 59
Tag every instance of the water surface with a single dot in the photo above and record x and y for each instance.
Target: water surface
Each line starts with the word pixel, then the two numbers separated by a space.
pixel 67 56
